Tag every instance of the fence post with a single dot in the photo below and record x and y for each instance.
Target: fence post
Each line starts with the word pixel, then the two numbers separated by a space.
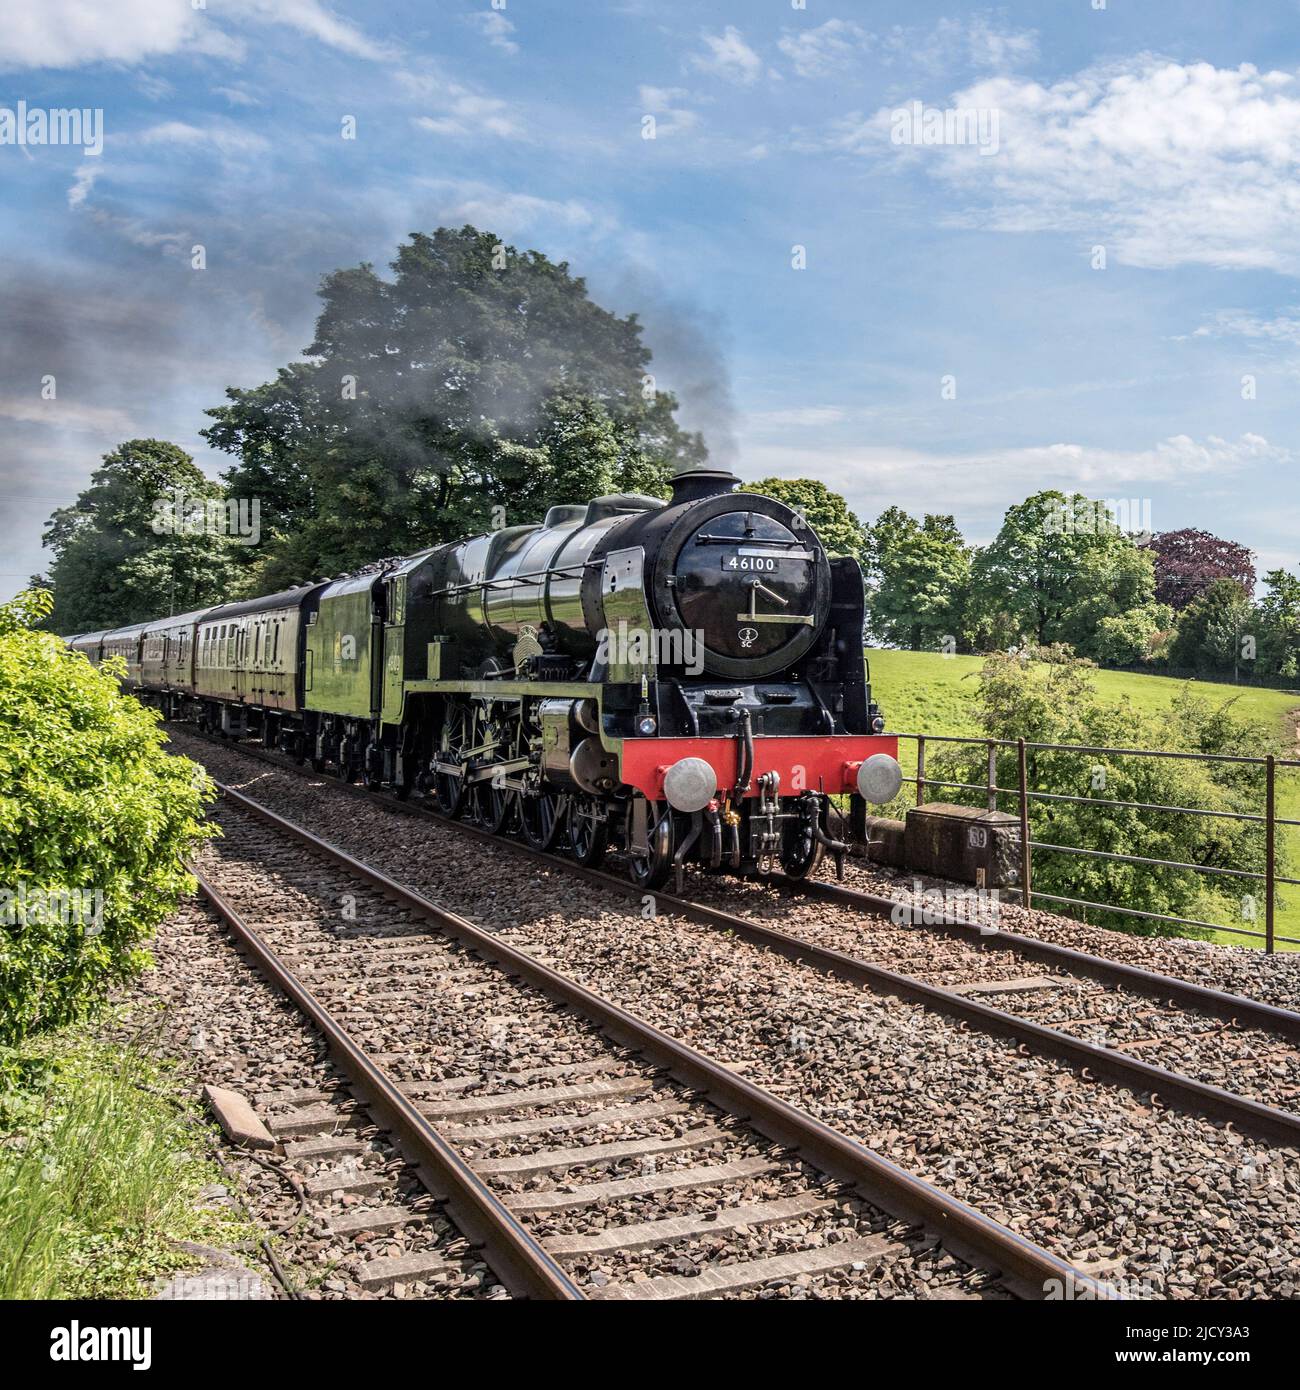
pixel 1026 858
pixel 1270 849
pixel 920 769
pixel 993 775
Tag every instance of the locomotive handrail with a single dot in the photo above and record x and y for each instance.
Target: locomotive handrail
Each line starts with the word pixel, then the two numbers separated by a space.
pixel 564 572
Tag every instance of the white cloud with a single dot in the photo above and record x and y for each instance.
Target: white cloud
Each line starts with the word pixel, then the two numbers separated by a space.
pixel 65 415
pixel 470 115
pixel 822 51
pixel 991 47
pixel 664 104
pixel 1237 323
pixel 312 18
pixel 227 139
pixel 507 212
pixel 459 110
pixel 989 480
pixel 154 87
pixel 237 96
pixel 729 56
pixel 70 33
pixel 496 28
pixel 952 45
pixel 83 183
pixel 1165 164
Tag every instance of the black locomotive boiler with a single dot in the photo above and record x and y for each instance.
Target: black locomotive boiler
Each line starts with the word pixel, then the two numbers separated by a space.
pixel 682 681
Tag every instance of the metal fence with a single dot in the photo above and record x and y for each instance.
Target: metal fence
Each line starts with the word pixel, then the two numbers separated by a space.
pixel 1023 794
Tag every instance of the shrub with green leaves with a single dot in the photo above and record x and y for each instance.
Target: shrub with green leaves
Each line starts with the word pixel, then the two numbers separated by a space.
pixel 96 820
pixel 1046 695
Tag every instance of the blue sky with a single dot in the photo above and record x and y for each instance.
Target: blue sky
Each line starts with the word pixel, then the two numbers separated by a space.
pixel 1166 134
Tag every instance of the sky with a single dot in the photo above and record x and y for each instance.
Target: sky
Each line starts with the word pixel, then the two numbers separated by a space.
pixel 936 256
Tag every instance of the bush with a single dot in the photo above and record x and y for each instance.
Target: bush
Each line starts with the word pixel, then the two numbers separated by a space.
pixel 95 822
pixel 1047 696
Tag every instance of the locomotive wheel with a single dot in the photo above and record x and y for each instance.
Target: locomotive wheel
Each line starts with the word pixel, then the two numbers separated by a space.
pixel 449 794
pixel 541 818
pixel 449 787
pixel 588 837
pixel 498 809
pixel 800 855
pixel 652 870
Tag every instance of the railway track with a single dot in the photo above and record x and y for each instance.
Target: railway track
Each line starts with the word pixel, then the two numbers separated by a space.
pixel 722 1188
pixel 1116 1032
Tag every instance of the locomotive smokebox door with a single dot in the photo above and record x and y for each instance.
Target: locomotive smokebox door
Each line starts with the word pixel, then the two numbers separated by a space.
pixel 963 843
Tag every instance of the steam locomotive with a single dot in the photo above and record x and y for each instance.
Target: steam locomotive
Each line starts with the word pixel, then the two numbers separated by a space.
pixel 681 681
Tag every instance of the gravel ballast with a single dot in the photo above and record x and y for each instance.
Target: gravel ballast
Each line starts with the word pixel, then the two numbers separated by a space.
pixel 1176 1205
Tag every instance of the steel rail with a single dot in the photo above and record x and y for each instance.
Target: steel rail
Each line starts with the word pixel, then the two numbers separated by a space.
pixel 1198 1097
pixel 1026 1268
pixel 1230 1008
pixel 475 1209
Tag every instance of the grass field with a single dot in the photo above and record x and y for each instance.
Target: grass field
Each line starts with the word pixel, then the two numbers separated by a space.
pixel 926 693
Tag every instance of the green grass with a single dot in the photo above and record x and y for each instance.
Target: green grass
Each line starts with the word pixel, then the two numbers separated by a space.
pixel 927 693
pixel 101 1168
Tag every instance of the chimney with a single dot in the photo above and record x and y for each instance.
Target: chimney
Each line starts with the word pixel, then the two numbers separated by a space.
pixel 690 484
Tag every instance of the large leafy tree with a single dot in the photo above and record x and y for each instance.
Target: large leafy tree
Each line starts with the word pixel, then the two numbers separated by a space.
pixel 825 511
pixel 920 573
pixel 448 399
pixel 1218 632
pixel 1056 569
pixel 124 550
pixel 1189 561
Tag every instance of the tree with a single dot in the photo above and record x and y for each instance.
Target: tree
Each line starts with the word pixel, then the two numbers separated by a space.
pixel 920 576
pixel 96 820
pixel 1279 619
pixel 825 511
pixel 1056 569
pixel 1189 561
pixel 442 402
pixel 1140 635
pixel 140 541
pixel 1216 632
